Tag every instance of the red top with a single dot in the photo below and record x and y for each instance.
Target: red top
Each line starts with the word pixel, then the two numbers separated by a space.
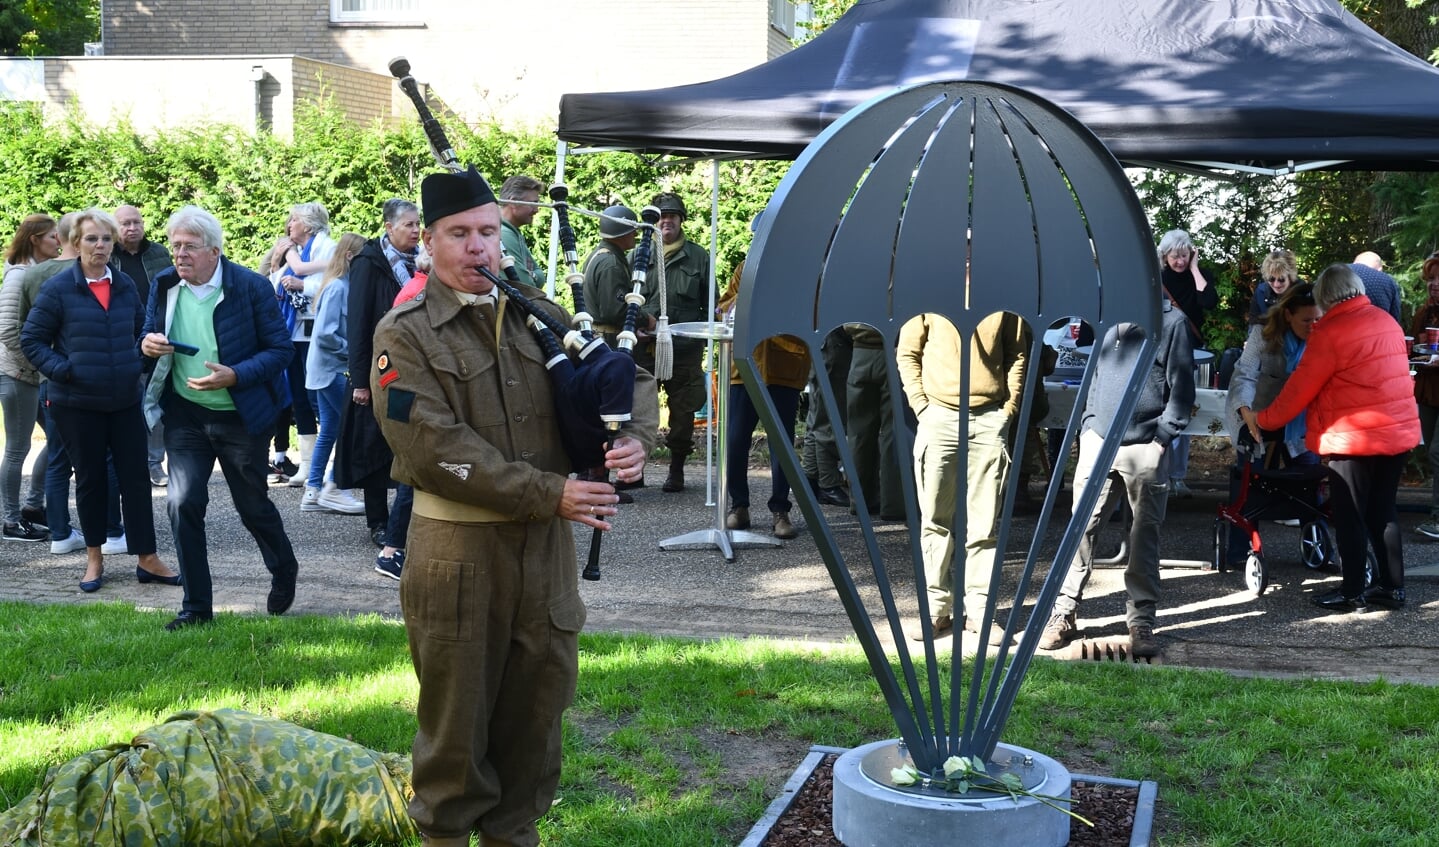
pixel 1354 381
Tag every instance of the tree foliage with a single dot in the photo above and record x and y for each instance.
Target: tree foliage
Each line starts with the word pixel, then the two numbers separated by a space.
pixel 48 27
pixel 250 182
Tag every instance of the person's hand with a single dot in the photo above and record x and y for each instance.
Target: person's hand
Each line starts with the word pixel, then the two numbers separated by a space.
pixel 1251 422
pixel 1200 283
pixel 221 376
pixel 155 345
pixel 360 396
pixel 588 503
pixel 626 457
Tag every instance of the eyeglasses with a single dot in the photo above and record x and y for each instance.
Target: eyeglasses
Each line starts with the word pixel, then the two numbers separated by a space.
pixel 186 248
pixel 1273 279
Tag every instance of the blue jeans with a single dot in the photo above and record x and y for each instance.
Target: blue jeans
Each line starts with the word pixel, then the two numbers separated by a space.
pixel 21 402
pixel 331 401
pixel 195 438
pixel 399 526
pixel 739 432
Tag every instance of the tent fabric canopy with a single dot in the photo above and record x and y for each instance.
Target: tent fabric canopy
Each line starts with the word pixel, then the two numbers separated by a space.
pixel 1268 84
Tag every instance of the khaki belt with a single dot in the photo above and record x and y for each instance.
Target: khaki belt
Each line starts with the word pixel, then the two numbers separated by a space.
pixel 439 509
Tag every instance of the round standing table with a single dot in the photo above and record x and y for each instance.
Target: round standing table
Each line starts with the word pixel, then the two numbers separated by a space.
pixel 718 536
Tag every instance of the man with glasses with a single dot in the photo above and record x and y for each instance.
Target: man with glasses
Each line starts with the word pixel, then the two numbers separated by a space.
pixel 221 347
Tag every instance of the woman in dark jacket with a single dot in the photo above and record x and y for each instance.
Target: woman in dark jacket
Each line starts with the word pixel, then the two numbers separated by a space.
pixel 81 334
pixel 362 458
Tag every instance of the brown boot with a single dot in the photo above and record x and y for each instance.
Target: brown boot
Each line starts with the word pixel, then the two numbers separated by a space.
pixel 676 479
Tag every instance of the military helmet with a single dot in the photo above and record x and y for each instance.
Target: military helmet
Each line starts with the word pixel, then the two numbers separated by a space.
pixel 610 228
pixel 669 202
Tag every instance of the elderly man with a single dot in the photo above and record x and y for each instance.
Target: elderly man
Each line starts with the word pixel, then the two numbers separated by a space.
pixel 221 348
pixel 514 215
pixel 489 589
pixel 142 259
pixel 1381 288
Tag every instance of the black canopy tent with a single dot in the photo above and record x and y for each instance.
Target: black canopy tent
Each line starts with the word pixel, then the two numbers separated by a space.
pixel 1267 86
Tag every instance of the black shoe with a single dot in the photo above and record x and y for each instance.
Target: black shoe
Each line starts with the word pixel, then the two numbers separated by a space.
pixel 143 576
pixel 286 467
pixel 624 498
pixel 629 486
pixel 189 618
pixel 282 595
pixel 1335 601
pixel 24 531
pixel 835 496
pixel 377 535
pixel 1384 598
pixel 35 517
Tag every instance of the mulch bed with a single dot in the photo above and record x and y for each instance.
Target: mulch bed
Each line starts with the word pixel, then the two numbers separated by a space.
pixel 806 823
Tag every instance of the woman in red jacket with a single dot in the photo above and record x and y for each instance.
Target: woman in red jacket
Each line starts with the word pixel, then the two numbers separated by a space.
pixel 1361 417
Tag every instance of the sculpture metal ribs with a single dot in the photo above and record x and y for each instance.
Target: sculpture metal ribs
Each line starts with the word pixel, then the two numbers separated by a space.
pixel 961 200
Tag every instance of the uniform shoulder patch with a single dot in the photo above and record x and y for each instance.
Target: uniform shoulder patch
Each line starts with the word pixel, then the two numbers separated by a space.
pixel 386 366
pixel 399 404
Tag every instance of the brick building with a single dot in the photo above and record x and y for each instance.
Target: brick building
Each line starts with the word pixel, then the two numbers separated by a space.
pixel 171 62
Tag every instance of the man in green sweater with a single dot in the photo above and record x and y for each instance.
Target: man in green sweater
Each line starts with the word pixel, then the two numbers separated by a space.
pixel 929 357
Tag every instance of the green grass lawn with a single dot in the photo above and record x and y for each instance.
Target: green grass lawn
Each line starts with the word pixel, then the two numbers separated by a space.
pixel 677 742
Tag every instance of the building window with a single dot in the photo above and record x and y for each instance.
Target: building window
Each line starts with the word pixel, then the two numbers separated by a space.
pixel 785 14
pixel 374 11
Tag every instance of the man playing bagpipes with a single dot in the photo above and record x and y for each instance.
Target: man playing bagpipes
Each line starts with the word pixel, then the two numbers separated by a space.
pixel 489 590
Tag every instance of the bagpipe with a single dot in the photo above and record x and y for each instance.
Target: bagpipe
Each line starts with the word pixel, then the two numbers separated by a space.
pixel 593 385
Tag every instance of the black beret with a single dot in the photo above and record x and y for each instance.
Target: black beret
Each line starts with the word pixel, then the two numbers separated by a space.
pixel 447 193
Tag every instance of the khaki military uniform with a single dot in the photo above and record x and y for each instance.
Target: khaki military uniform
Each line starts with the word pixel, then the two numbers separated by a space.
pixel 687 298
pixel 607 281
pixel 489 592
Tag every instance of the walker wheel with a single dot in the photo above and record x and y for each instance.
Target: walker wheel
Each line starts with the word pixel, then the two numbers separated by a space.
pixel 1316 548
pixel 1256 579
pixel 1221 546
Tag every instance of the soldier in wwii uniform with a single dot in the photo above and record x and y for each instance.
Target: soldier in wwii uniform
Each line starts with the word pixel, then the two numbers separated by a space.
pixel 489 592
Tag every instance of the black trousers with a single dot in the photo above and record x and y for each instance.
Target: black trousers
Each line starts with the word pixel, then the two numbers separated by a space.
pixel 1362 492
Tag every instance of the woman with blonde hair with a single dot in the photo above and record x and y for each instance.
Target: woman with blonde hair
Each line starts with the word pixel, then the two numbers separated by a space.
pixel 327 376
pixel 37 240
pixel 1278 272
pixel 298 261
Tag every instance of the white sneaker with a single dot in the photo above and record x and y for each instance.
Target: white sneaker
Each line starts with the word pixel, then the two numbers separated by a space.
pixel 75 542
pixel 301 477
pixel 339 500
pixel 310 501
pixel 115 545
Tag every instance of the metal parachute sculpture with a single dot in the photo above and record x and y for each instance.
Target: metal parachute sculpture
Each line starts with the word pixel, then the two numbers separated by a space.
pixel 956 199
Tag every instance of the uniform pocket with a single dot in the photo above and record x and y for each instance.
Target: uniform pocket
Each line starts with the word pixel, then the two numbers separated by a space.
pixel 440 599
pixel 567 612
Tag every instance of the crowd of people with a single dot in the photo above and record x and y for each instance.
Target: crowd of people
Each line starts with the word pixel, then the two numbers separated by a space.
pixel 402 367
pixel 145 365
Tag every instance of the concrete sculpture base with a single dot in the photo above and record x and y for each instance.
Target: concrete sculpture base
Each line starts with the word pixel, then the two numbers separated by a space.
pixel 871 811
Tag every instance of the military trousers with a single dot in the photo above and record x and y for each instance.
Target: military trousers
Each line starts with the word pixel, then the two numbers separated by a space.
pixel 493 618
